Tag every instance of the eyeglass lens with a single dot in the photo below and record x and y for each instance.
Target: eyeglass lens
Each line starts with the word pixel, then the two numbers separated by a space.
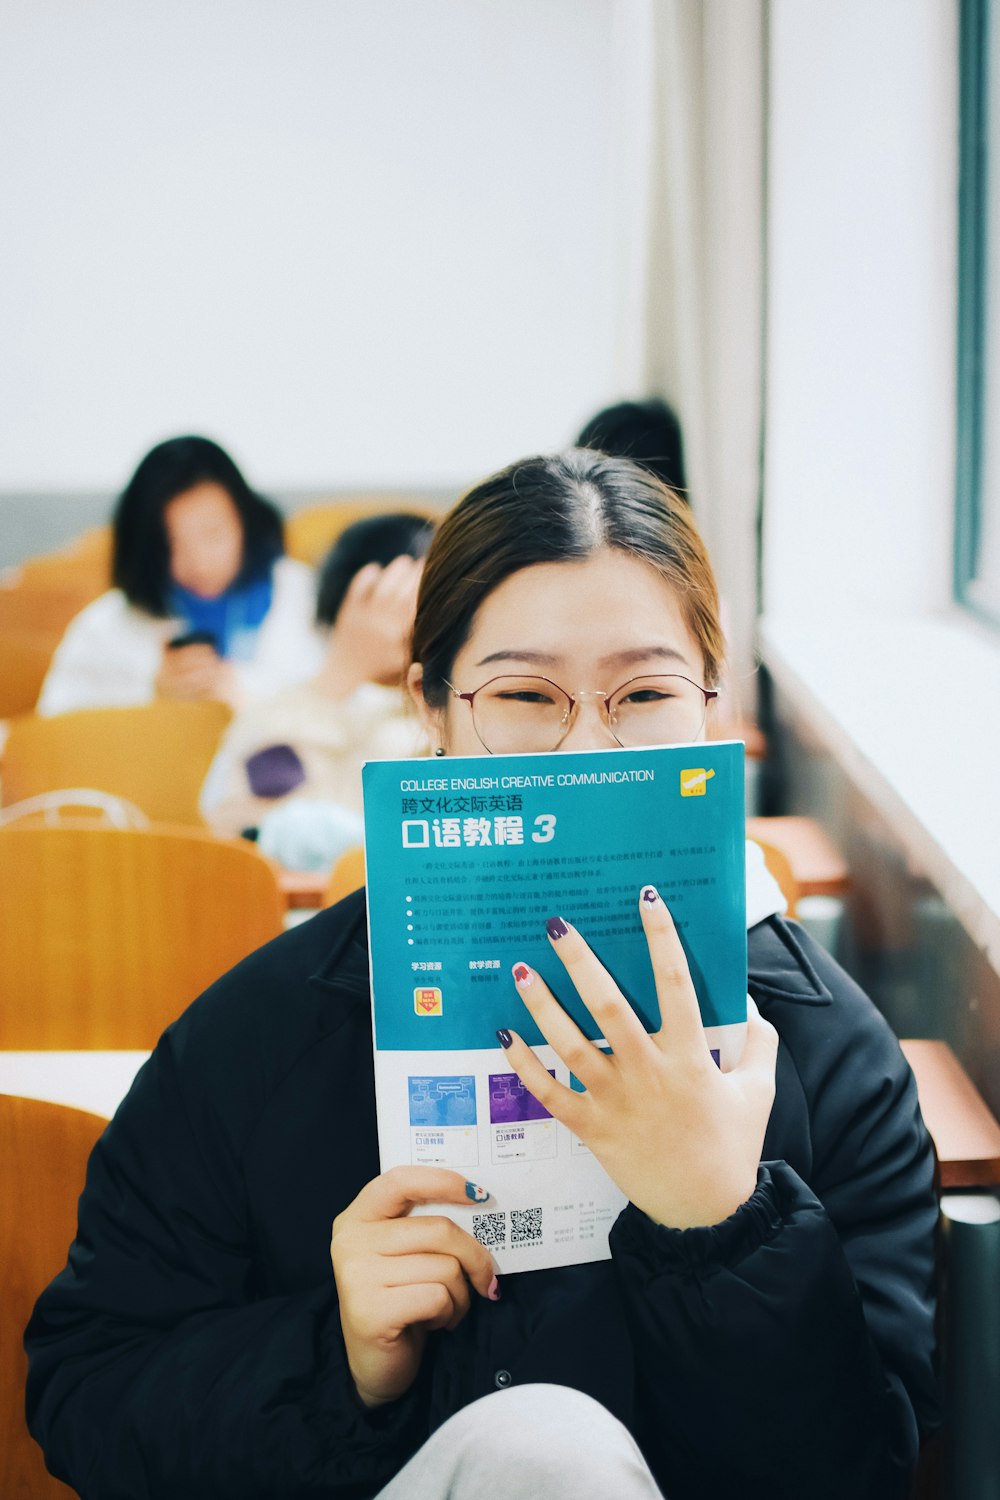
pixel 521 715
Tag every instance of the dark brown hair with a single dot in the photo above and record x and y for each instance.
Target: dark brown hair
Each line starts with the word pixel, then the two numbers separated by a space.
pixel 558 509
pixel 141 556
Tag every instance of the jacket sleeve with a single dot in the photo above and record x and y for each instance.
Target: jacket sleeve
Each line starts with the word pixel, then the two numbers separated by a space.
pixel 793 1344
pixel 156 1370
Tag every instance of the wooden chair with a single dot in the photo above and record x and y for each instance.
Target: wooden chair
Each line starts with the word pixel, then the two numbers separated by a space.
pixel 817 864
pixel 347 875
pixel 156 756
pixel 310 533
pixel 780 867
pixel 24 660
pixel 107 934
pixel 43 1158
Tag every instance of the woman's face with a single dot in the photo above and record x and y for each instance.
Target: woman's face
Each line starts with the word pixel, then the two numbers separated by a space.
pixel 205 538
pixel 588 626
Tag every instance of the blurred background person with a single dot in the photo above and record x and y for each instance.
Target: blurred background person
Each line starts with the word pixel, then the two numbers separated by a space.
pixel 205 604
pixel 648 432
pixel 286 761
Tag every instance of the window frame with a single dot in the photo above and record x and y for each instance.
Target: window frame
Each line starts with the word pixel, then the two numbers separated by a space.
pixel 974 30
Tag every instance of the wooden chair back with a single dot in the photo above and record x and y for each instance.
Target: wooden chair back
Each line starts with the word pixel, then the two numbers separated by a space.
pixel 24 660
pixel 780 867
pixel 156 756
pixel 347 875
pixel 107 934
pixel 310 533
pixel 43 1159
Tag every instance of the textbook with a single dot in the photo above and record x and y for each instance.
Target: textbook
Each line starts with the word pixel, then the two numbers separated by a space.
pixel 466 858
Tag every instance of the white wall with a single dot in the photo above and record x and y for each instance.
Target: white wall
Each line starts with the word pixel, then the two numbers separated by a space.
pixel 358 241
pixel 860 421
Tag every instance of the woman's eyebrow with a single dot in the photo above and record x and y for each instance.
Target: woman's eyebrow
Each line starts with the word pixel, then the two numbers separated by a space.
pixel 643 653
pixel 539 658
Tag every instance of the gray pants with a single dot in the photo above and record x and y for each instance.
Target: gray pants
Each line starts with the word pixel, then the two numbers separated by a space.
pixel 530 1442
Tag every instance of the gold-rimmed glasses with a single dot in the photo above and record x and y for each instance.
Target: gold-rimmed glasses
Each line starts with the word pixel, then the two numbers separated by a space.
pixel 515 715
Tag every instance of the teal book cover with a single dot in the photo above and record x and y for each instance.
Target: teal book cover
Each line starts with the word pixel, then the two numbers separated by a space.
pixel 466 859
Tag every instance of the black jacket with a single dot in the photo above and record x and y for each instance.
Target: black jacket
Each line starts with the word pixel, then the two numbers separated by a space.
pixel 191 1348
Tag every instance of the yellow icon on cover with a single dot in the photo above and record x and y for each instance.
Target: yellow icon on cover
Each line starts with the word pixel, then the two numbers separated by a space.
pixel 694 781
pixel 427 1000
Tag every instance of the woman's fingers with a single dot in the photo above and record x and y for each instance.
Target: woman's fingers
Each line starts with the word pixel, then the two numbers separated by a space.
pixel 559 1030
pixel 379 1216
pixel 427 1304
pixel 615 1018
pixel 760 1050
pixel 562 1103
pixel 394 1193
pixel 425 1270
pixel 680 1017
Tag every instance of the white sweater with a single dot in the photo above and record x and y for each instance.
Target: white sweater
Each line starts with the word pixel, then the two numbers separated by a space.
pixel 111 652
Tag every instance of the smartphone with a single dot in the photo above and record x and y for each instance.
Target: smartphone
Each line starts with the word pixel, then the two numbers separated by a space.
pixel 194 638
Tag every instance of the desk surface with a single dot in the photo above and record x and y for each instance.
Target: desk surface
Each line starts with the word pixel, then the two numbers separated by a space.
pixel 965 1134
pixel 95 1081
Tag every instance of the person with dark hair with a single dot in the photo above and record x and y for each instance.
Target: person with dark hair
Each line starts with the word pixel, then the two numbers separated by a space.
pixel 647 432
pixel 204 604
pixel 764 1325
pixel 308 743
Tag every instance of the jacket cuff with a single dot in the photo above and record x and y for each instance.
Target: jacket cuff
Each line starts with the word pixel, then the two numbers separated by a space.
pixel 358 1431
pixel 700 1251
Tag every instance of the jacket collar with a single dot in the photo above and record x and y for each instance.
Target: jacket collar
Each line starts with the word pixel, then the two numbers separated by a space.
pixel 344 965
pixel 778 967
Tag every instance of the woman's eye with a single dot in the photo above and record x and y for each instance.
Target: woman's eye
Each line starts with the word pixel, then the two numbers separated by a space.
pixel 647 695
pixel 525 695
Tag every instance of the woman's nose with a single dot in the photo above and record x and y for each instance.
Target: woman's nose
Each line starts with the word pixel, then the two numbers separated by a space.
pixel 589 729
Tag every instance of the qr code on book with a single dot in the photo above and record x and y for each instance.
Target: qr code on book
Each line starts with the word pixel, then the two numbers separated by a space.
pixel 525 1226
pixel 490 1230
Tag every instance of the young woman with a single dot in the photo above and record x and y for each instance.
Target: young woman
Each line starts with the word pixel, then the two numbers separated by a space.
pixel 764 1324
pixel 205 605
pixel 310 741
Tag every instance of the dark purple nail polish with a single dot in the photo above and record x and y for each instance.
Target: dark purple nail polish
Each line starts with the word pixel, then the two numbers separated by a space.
pixel 556 928
pixel 494 1290
pixel 504 1037
pixel 650 895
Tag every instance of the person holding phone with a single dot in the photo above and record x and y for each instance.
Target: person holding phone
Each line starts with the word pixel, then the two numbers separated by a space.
pixel 309 742
pixel 250 1309
pixel 205 604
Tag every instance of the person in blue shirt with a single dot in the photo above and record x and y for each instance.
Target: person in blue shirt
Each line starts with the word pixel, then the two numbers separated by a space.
pixel 204 603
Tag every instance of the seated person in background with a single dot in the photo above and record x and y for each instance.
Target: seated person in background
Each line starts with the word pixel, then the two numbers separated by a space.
pixel 205 604
pixel 647 432
pixel 312 740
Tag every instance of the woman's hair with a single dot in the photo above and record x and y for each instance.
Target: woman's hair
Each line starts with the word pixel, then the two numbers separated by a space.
pixel 559 509
pixel 376 539
pixel 646 431
pixel 141 557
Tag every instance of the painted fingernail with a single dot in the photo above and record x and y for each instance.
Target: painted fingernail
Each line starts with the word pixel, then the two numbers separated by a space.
pixel 522 975
pixel 556 928
pixel 650 895
pixel 476 1193
pixel 493 1290
pixel 504 1037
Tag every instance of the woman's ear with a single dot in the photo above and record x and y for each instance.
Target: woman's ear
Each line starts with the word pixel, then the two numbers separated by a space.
pixel 431 718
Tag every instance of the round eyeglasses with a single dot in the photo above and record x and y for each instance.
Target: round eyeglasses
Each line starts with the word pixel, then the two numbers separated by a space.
pixel 526 715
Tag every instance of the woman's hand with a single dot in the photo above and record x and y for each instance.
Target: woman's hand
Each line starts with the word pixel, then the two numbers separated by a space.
pixel 196 672
pixel 374 624
pixel 399 1277
pixel 679 1137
